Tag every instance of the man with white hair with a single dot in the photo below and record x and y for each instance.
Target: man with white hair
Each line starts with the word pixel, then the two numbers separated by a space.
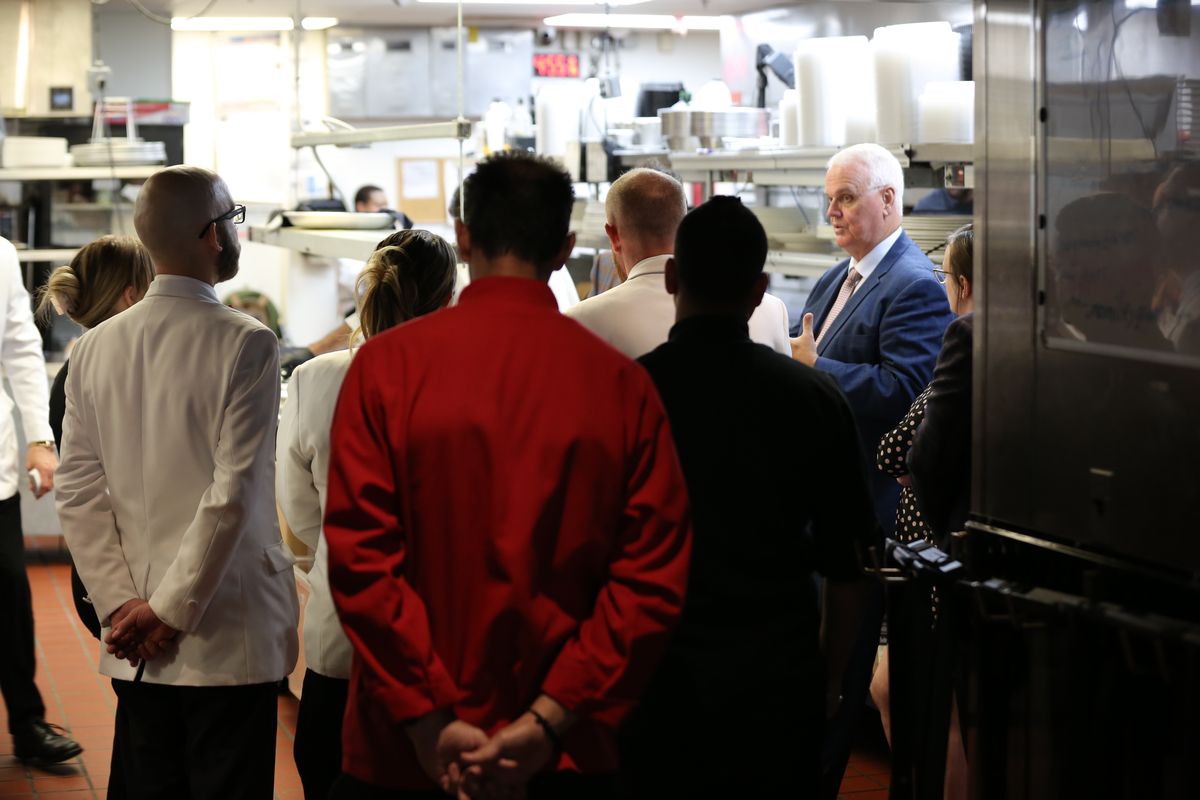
pixel 875 324
pixel 644 208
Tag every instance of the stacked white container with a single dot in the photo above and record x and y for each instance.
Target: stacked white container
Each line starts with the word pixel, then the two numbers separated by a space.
pixel 907 58
pixel 557 112
pixel 789 119
pixel 836 88
pixel 947 112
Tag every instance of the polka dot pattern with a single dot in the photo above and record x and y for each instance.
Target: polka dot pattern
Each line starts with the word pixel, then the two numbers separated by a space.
pixel 892 458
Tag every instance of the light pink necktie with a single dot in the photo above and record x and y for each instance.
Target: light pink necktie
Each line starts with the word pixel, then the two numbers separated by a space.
pixel 852 279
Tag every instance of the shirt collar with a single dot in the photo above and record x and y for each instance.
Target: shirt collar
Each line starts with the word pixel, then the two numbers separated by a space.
pixel 654 265
pixel 503 289
pixel 711 328
pixel 872 259
pixel 182 286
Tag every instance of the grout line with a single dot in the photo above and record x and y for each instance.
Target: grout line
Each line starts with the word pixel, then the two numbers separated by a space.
pixel 54 582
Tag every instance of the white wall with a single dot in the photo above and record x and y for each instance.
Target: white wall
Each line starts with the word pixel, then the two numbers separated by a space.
pixel 139 52
pixel 645 57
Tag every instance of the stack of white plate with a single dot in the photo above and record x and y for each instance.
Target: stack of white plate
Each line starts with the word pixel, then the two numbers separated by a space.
pixel 118 152
pixel 930 230
pixel 339 220
pixel 33 151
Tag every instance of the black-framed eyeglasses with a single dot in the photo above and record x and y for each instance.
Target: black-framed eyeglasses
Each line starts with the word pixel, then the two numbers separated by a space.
pixel 940 274
pixel 237 214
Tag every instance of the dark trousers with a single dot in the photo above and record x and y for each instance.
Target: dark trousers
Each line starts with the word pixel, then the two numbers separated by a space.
pixel 318 746
pixel 196 742
pixel 705 728
pixel 546 786
pixel 840 732
pixel 17 666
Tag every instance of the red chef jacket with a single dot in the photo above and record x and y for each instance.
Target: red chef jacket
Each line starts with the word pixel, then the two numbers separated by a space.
pixel 506 516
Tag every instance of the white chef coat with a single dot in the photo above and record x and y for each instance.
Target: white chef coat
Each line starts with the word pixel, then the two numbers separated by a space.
pixel 166 489
pixel 637 316
pixel 301 472
pixel 25 366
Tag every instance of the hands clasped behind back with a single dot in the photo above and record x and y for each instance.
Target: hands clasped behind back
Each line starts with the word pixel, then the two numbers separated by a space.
pixel 469 765
pixel 137 634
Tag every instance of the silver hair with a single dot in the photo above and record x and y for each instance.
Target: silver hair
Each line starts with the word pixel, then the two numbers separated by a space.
pixel 881 166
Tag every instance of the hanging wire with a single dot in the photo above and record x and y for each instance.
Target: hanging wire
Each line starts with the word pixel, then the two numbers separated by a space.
pixel 161 20
pixel 462 205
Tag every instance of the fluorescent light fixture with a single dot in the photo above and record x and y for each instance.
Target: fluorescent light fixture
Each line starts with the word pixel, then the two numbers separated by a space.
pixel 237 24
pixel 318 23
pixel 613 3
pixel 1137 4
pixel 644 22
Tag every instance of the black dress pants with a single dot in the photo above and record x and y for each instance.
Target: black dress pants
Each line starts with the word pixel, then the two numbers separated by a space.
pixel 318 746
pixel 545 786
pixel 21 695
pixel 196 742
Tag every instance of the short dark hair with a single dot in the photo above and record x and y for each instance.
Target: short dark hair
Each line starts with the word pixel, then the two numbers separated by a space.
pixel 720 250
pixel 364 193
pixel 519 204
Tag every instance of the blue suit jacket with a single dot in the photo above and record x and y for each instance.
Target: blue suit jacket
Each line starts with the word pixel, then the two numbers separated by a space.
pixel 882 348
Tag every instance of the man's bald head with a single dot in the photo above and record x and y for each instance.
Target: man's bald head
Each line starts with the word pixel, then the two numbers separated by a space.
pixel 646 204
pixel 172 208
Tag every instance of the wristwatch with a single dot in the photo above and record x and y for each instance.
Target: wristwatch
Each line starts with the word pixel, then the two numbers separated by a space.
pixel 43 443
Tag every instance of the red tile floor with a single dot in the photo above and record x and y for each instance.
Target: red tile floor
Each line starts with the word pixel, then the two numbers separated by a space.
pixel 79 699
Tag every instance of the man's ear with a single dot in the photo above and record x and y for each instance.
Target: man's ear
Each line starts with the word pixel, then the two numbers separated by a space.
pixel 614 237
pixel 212 238
pixel 889 198
pixel 463 237
pixel 671 276
pixel 758 290
pixel 565 252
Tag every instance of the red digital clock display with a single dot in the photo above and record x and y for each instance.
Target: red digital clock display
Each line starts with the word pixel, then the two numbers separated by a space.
pixel 556 65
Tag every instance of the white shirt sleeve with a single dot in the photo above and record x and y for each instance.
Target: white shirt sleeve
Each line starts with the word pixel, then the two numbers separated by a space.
pixel 21 353
pixel 295 485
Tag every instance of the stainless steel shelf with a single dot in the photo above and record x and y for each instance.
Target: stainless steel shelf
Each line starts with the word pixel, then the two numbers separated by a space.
pixel 77 173
pixel 356 244
pixel 63 254
pixel 800 265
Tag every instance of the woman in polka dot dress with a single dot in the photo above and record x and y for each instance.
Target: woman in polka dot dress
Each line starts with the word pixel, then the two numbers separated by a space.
pixel 892 458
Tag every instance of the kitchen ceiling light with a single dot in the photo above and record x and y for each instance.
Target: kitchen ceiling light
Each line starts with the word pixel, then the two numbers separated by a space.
pixel 647 22
pixel 318 23
pixel 234 24
pixel 612 3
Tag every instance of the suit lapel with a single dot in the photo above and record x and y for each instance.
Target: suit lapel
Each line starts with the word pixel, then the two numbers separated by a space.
pixel 856 299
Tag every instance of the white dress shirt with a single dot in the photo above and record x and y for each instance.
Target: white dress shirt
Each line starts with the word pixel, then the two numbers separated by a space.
pixel 636 316
pixel 301 471
pixel 23 363
pixel 166 489
pixel 872 259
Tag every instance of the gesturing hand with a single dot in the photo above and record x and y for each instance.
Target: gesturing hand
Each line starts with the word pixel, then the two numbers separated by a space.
pixel 804 346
